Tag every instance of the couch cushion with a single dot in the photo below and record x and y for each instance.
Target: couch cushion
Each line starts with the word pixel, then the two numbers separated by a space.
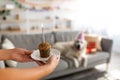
pixel 62 65
pixel 49 37
pixel 65 35
pixel 2 65
pixel 97 57
pixel 7 44
pixel 29 41
pixel 94 38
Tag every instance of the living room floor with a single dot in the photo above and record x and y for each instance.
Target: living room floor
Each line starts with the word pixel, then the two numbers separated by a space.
pixel 99 71
pixel 115 61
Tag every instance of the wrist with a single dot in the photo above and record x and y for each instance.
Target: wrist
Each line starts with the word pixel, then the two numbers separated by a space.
pixel 11 54
pixel 51 66
pixel 5 54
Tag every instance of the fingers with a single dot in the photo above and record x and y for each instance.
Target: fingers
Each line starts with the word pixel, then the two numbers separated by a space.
pixel 40 63
pixel 28 52
pixel 56 57
pixel 26 58
pixel 23 51
pixel 53 59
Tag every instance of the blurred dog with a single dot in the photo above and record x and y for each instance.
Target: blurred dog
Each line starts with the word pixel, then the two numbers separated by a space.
pixel 75 50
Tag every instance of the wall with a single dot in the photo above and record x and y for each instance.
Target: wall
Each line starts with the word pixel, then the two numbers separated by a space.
pixel 63 15
pixel 99 16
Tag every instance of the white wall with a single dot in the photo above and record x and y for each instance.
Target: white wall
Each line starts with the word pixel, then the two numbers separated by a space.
pixel 100 15
pixel 37 15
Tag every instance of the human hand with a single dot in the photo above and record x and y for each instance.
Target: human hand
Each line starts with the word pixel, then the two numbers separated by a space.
pixel 20 55
pixel 52 61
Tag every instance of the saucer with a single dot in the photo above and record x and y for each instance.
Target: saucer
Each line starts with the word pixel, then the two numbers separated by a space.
pixel 36 55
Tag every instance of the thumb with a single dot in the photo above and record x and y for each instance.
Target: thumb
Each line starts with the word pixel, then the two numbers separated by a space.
pixel 29 52
pixel 53 59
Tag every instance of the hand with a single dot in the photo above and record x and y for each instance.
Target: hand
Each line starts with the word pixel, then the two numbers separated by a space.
pixel 53 61
pixel 20 55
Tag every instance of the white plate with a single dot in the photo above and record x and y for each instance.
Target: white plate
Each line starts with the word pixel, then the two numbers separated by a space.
pixel 36 54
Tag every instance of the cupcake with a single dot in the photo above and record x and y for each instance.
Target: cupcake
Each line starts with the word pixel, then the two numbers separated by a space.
pixel 44 49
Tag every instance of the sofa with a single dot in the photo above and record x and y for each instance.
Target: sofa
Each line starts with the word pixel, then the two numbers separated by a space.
pixel 66 65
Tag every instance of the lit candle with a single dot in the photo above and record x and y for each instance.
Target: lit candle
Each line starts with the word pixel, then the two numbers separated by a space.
pixel 43 37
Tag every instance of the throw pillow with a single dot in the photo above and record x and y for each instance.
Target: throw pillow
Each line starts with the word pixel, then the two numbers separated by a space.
pixel 94 38
pixel 91 47
pixel 7 44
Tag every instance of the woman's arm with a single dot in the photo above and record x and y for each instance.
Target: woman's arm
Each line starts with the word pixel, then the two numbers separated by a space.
pixel 4 54
pixel 30 73
pixel 23 55
pixel 17 54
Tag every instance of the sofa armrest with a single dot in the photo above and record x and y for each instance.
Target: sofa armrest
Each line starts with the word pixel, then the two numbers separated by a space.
pixel 107 44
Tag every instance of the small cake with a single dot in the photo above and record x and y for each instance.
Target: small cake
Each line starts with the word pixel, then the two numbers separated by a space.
pixel 44 49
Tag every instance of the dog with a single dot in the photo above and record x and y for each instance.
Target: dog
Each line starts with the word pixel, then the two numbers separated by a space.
pixel 75 50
